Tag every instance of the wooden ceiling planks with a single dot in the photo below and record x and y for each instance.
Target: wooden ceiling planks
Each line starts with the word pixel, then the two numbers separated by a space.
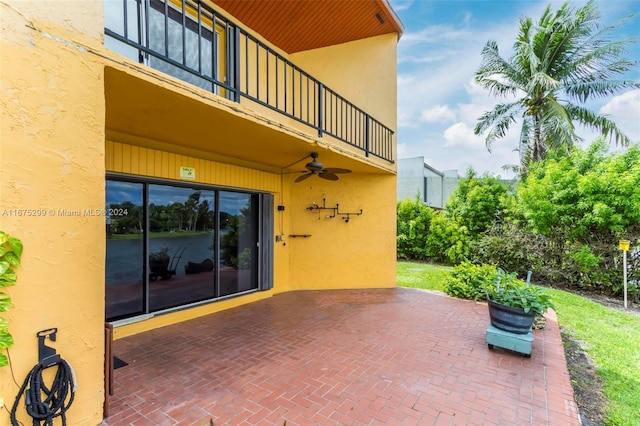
pixel 298 25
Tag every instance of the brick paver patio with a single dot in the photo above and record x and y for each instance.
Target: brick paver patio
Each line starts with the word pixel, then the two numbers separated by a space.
pixel 345 357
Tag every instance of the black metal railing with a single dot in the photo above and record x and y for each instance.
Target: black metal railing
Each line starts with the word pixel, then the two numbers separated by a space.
pixel 191 41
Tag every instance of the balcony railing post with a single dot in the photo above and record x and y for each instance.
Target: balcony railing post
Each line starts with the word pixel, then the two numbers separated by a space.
pixel 236 62
pixel 367 135
pixel 142 11
pixel 320 108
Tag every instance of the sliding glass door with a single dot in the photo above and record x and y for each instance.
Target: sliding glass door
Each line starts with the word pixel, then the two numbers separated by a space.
pixel 238 251
pixel 181 240
pixel 172 245
pixel 125 249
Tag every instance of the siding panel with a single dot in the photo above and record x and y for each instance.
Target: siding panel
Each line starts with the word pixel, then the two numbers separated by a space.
pixel 134 160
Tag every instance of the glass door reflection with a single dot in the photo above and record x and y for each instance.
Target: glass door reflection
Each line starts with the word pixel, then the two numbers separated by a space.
pixel 181 241
pixel 238 242
pixel 124 269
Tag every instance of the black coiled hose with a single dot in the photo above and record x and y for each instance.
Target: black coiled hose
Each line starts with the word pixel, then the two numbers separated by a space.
pixel 57 399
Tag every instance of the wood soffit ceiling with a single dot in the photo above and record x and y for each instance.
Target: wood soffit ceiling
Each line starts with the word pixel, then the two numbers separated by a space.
pixel 298 25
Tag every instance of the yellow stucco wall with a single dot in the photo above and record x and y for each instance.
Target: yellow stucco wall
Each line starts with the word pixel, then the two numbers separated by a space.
pixel 51 159
pixel 339 254
pixel 363 71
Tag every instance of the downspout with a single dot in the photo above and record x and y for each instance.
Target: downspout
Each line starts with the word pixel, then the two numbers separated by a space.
pixel 442 191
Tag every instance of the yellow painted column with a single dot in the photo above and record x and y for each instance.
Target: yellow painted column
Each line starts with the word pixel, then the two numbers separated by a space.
pixel 52 169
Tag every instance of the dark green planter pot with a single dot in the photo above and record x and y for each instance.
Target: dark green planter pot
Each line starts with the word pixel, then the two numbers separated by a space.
pixel 513 320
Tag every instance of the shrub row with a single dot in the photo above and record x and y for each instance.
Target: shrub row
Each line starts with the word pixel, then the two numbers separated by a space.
pixel 563 222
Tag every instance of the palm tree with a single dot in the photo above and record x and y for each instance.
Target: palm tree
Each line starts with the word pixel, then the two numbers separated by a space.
pixel 564 60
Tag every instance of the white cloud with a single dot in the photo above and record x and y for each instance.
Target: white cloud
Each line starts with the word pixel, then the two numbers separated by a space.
pixel 624 106
pixel 403 150
pixel 468 16
pixel 405 119
pixel 435 61
pixel 399 5
pixel 469 113
pixel 624 110
pixel 461 135
pixel 426 58
pixel 434 34
pixel 410 150
pixel 417 91
pixel 438 114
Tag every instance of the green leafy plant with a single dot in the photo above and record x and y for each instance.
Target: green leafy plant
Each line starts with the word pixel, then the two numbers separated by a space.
pixel 413 223
pixel 161 254
pixel 477 202
pixel 467 281
pixel 447 242
pixel 511 291
pixel 10 253
pixel 581 205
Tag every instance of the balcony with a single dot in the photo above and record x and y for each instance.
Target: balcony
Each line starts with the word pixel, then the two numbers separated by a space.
pixel 193 42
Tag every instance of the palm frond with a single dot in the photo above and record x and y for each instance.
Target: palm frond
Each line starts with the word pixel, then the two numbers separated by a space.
pixel 497 121
pixel 582 91
pixel 541 81
pixel 595 44
pixel 513 168
pixel 579 37
pixel 557 126
pixel 596 63
pixel 589 53
pixel 496 74
pixel 597 122
pixel 526 56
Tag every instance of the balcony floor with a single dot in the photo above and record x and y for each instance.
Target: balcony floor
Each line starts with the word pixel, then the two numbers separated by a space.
pixel 341 357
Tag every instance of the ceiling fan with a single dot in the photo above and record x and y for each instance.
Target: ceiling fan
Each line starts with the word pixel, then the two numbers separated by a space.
pixel 315 167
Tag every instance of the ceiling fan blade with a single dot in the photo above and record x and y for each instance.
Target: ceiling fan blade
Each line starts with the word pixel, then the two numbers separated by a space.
pixel 328 176
pixel 303 177
pixel 335 170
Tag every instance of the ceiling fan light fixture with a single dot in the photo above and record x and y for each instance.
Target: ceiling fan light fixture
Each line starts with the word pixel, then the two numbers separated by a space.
pixel 314 167
pixel 314 164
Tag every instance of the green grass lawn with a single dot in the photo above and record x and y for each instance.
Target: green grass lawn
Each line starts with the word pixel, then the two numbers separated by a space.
pixel 421 275
pixel 611 339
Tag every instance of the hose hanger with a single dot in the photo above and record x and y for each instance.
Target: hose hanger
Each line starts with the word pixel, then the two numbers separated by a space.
pixel 47 356
pixel 58 397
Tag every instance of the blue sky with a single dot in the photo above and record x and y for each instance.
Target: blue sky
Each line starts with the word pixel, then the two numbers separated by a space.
pixel 438 54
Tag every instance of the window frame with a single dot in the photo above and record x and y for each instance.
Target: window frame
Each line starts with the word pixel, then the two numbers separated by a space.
pixel 264 239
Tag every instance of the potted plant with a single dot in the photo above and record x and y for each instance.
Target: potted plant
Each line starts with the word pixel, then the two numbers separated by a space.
pixel 159 262
pixel 513 305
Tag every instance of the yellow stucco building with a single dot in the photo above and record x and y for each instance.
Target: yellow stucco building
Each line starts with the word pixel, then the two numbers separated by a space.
pixel 156 161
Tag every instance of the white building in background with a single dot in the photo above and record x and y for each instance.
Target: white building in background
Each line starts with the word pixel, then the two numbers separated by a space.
pixel 416 178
